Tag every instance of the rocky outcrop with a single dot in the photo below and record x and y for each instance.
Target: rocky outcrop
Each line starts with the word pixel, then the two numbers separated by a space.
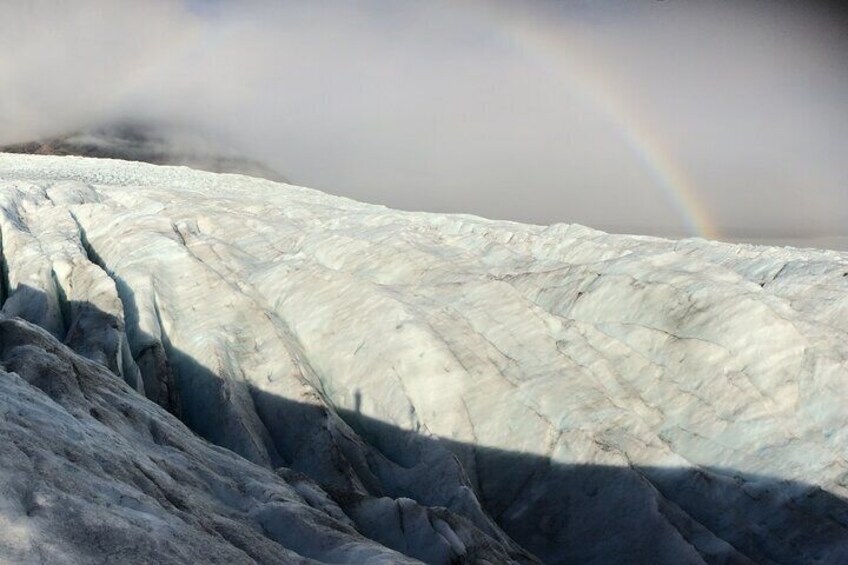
pixel 147 143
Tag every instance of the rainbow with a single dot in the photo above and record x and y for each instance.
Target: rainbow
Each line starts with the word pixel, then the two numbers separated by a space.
pixel 585 78
pixel 552 52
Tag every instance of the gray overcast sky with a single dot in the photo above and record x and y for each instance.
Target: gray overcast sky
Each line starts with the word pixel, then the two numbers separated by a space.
pixel 650 117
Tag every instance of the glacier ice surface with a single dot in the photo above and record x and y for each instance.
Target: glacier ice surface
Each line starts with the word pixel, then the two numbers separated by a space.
pixel 402 385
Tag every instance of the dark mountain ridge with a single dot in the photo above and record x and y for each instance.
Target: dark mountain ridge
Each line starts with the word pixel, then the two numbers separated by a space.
pixel 149 143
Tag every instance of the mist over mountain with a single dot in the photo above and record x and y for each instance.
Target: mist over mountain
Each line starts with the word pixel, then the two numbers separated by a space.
pixel 720 119
pixel 157 144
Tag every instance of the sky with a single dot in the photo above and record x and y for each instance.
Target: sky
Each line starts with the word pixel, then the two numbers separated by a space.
pixel 719 119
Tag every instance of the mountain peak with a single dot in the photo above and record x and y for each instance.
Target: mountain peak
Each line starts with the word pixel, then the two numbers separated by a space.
pixel 149 143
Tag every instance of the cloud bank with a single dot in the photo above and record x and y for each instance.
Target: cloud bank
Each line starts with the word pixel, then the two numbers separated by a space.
pixel 629 118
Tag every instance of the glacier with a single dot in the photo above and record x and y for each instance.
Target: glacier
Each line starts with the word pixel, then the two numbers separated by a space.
pixel 220 368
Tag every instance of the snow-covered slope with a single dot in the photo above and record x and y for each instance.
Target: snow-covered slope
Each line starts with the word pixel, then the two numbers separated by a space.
pixel 420 383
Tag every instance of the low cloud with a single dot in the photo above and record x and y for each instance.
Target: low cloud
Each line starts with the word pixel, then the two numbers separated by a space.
pixel 548 112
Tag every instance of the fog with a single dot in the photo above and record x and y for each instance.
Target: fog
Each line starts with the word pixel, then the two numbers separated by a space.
pixel 722 119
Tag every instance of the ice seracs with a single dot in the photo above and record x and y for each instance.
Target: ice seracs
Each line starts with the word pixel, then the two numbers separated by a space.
pixel 444 387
